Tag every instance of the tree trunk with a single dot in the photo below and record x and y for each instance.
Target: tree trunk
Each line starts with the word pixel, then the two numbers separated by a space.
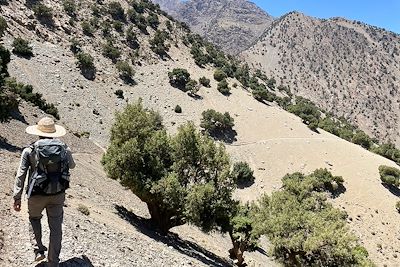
pixel 160 217
pixel 236 253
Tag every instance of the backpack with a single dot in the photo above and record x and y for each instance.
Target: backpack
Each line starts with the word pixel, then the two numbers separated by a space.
pixel 51 175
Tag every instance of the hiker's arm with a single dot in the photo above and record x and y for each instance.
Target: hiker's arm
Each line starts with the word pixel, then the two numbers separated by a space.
pixel 70 159
pixel 21 174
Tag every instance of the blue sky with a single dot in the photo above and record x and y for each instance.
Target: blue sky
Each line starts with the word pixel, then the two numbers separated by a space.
pixel 381 13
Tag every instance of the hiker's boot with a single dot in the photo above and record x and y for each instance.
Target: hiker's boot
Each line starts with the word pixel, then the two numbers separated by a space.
pixel 39 256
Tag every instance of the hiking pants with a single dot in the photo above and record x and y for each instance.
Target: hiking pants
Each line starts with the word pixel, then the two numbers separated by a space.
pixel 54 208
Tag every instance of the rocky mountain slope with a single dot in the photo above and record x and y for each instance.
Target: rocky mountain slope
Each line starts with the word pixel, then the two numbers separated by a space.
pixel 273 141
pixel 348 68
pixel 233 25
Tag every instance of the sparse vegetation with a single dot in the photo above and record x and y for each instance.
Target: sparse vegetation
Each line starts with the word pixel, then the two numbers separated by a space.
pixel 307 111
pixel 87 28
pixel 219 75
pixel 70 7
pixel 223 87
pixel 21 47
pixel 116 11
pixel 215 122
pixel 119 93
pixel 389 175
pixel 26 93
pixel 125 70
pixel 85 61
pixel 111 51
pixel 43 13
pixel 192 87
pixel 178 109
pixel 8 102
pixel 242 173
pixel 398 206
pixel 3 26
pixel 83 209
pixel 86 65
pixel 204 81
pixel 157 43
pixel 179 78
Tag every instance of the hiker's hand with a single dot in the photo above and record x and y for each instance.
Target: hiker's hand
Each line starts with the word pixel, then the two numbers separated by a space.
pixel 17 204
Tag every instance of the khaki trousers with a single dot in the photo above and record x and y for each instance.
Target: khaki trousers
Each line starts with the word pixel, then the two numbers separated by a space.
pixel 54 206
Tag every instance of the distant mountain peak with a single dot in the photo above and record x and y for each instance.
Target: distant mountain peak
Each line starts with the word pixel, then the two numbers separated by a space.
pixel 231 24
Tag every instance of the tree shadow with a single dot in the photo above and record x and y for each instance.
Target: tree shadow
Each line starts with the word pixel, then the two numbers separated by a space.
pixel 340 190
pixel 195 96
pixel 188 248
pixel 89 73
pixel 262 251
pixel 242 185
pixel 4 144
pixel 73 262
pixel 227 136
pixel 392 189
pixel 16 115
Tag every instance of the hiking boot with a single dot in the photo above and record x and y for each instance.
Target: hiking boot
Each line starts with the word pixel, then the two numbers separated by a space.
pixel 39 256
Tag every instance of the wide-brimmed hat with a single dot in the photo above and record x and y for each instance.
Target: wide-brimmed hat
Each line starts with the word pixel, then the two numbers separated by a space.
pixel 46 128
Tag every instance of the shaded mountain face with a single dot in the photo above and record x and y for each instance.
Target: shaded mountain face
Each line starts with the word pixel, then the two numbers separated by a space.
pixel 234 25
pixel 348 68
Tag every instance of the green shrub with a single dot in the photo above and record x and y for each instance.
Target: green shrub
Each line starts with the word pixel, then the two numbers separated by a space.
pixel 3 26
pixel 125 70
pixel 388 151
pixel 215 122
pixel 75 46
pixel 242 173
pixel 43 13
pixel 118 26
pixel 389 175
pixel 192 87
pixel 223 87
pixel 362 139
pixel 157 43
pixel 179 78
pixel 26 93
pixel 110 51
pixel 22 47
pixel 119 93
pixel 153 21
pixel 83 209
pixel 87 28
pixel 204 81
pixel 307 111
pixel 219 75
pixel 178 109
pixel 304 228
pixel 116 11
pixel 70 7
pixel 398 206
pixel 85 61
pixel 131 38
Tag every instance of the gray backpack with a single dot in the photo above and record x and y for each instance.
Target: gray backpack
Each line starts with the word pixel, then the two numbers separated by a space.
pixel 51 175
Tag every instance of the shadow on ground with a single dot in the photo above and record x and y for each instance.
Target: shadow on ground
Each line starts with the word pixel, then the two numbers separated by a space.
pixel 7 146
pixel 392 189
pixel 227 136
pixel 73 262
pixel 185 247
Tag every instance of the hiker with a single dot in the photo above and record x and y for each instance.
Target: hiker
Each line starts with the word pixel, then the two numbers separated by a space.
pixel 47 162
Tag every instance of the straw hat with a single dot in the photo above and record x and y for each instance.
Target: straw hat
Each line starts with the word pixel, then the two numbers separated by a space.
pixel 46 128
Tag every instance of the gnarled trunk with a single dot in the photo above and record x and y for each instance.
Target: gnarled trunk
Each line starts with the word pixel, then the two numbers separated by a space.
pixel 236 253
pixel 163 219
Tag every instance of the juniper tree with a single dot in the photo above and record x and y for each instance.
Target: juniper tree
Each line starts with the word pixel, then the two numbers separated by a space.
pixel 181 178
